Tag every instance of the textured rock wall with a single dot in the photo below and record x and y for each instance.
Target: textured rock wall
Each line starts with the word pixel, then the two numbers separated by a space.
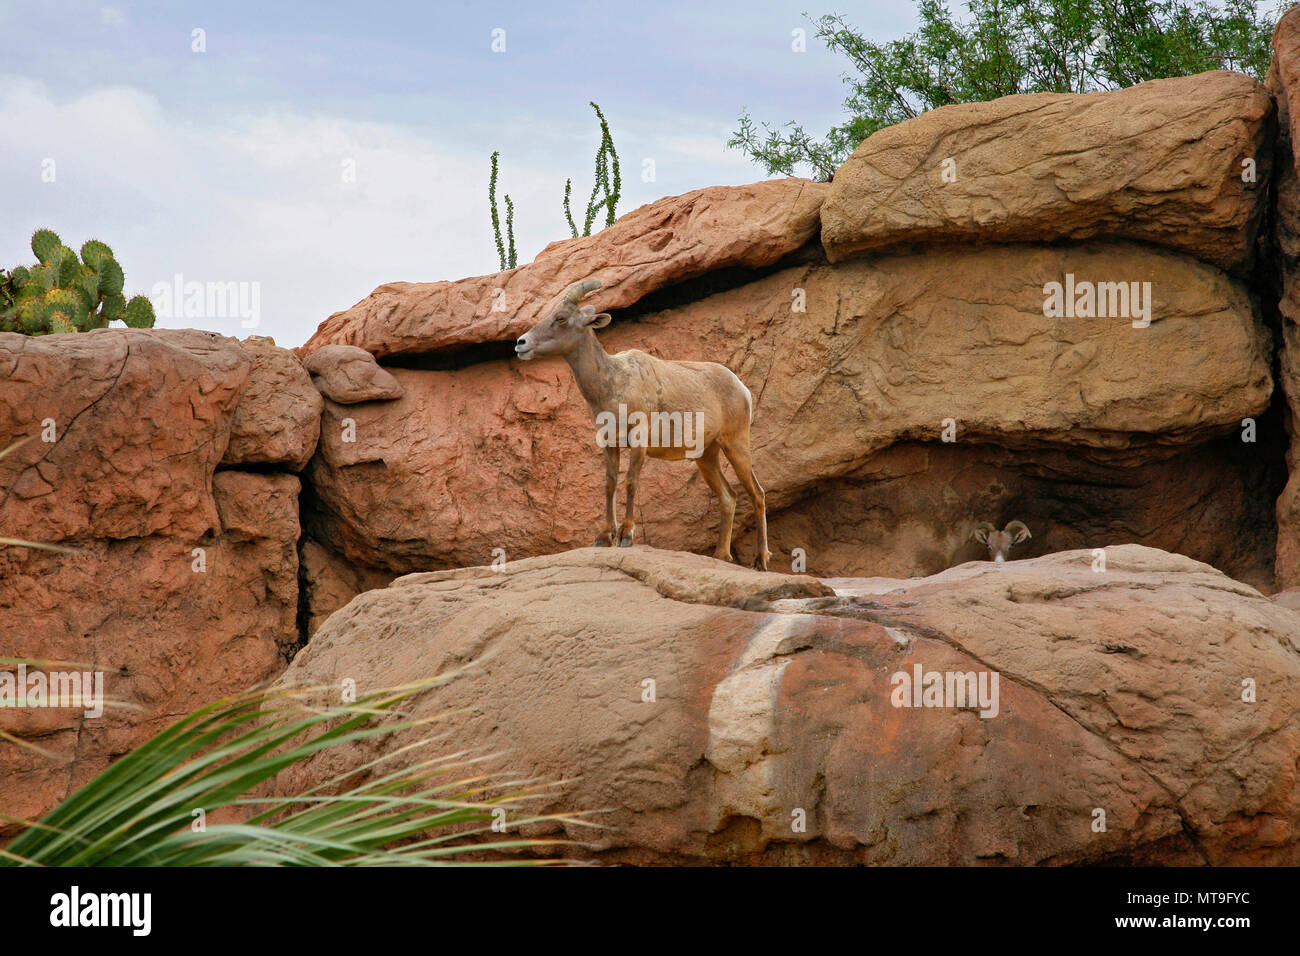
pixel 887 350
pixel 184 587
pixel 1284 82
pixel 910 379
pixel 920 302
pixel 773 700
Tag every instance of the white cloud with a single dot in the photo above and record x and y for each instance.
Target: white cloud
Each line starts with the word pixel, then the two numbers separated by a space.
pixel 708 149
pixel 259 196
pixel 249 198
pixel 112 17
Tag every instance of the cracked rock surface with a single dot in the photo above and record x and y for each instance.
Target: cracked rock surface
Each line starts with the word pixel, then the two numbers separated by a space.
pixel 705 713
pixel 1160 162
pixel 184 587
pixel 502 453
pixel 656 245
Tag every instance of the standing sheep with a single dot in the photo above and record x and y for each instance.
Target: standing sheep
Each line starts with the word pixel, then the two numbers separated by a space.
pixel 660 409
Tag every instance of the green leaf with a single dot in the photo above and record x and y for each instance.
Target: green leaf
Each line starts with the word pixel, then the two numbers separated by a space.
pixel 44 244
pixel 66 266
pixel 33 320
pixel 111 278
pixel 139 313
pixel 92 249
pixel 113 307
pixel 405 811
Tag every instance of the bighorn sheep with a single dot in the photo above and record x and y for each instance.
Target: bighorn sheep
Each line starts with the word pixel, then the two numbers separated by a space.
pixel 702 406
pixel 1001 542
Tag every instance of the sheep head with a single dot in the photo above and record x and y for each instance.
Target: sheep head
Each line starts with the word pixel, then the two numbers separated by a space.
pixel 1001 542
pixel 567 325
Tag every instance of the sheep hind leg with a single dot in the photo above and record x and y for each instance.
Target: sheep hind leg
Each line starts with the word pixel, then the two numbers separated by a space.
pixel 606 537
pixel 711 469
pixel 627 530
pixel 738 454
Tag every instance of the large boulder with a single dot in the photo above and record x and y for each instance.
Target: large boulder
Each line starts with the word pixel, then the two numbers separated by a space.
pixel 1148 712
pixel 1284 82
pixel 172 622
pixel 101 410
pixel 348 375
pixel 887 350
pixel 660 244
pixel 277 420
pixel 184 584
pixel 1160 162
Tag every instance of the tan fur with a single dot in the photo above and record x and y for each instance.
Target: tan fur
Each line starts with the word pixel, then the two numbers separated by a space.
pixel 643 383
pixel 1001 542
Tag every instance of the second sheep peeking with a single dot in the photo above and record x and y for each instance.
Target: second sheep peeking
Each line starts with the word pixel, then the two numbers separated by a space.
pixel 1001 542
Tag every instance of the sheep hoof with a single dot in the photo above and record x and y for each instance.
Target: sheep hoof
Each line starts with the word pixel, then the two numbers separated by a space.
pixel 625 541
pixel 600 543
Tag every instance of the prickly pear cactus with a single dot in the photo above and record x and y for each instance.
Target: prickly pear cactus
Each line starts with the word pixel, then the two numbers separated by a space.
pixel 64 292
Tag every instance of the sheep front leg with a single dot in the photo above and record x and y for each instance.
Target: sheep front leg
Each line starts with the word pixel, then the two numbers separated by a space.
pixel 606 538
pixel 627 530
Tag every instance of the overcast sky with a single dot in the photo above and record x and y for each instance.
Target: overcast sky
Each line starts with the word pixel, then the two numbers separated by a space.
pixel 228 165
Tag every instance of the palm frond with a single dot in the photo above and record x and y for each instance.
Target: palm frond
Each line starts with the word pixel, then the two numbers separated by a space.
pixel 141 810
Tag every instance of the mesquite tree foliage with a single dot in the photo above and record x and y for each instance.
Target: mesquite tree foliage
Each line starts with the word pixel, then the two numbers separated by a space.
pixel 1012 46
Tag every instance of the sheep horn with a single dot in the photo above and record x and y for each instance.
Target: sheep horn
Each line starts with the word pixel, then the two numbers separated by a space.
pixel 1018 530
pixel 579 289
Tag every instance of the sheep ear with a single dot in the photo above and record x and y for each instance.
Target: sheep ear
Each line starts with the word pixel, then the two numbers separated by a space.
pixel 587 317
pixel 1019 530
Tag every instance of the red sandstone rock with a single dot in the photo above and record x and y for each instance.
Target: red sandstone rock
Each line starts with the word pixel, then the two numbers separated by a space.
pixel 660 244
pixel 501 454
pixel 1284 82
pixel 349 375
pixel 167 637
pixel 185 584
pixel 277 420
pixel 1159 162
pixel 771 702
pixel 139 422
